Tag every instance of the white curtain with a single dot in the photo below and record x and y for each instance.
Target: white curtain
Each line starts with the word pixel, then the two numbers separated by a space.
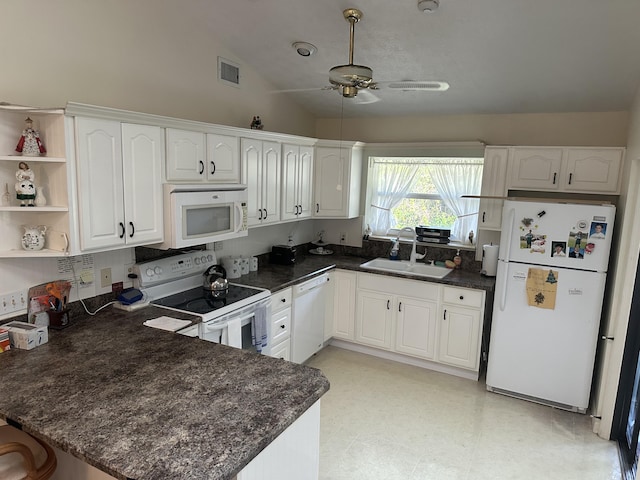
pixel 453 178
pixel 391 182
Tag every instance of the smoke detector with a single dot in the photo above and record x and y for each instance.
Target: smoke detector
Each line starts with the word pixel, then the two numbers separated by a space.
pixel 304 49
pixel 428 6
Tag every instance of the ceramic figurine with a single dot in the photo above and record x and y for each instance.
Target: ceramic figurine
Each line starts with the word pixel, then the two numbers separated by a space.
pixel 30 144
pixel 40 200
pixel 25 190
pixel 33 237
pixel 256 123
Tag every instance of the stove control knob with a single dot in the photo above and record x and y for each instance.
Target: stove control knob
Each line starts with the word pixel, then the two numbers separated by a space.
pixel 210 257
pixel 149 272
pixel 157 270
pixel 204 258
pixel 197 260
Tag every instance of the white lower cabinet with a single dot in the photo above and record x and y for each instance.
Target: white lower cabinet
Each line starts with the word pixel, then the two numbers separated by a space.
pixel 438 325
pixel 416 327
pixel 344 306
pixel 280 333
pixel 460 327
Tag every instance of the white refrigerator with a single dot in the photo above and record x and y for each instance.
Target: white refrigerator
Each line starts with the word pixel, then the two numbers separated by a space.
pixel 550 283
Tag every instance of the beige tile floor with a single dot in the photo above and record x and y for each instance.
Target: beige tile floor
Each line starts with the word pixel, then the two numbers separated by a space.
pixel 383 420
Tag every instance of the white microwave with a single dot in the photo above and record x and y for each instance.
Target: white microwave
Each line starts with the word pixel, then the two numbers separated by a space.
pixel 199 214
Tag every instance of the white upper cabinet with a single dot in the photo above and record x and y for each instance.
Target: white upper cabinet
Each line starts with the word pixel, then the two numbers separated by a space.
pixel 494 176
pixel 119 183
pixel 185 155
pixel 223 158
pixel 594 169
pixel 297 176
pixel 566 169
pixel 261 164
pixel 338 172
pixel 535 168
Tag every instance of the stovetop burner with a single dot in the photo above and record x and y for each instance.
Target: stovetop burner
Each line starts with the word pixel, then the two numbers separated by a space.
pixel 200 301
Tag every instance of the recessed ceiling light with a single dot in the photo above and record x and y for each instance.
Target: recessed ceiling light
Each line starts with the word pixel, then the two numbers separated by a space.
pixel 428 6
pixel 304 49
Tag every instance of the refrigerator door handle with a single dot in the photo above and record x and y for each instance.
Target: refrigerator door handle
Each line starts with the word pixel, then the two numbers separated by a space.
pixel 502 288
pixel 511 218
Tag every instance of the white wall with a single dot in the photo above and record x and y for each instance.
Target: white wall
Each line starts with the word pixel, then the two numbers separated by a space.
pixel 623 279
pixel 588 129
pixel 142 55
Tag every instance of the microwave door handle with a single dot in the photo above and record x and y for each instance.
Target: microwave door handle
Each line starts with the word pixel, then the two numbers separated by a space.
pixel 239 220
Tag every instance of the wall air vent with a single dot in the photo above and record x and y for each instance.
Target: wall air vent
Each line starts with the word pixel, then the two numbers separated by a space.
pixel 417 85
pixel 228 72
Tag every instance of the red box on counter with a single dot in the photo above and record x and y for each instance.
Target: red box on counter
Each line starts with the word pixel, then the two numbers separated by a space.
pixel 5 343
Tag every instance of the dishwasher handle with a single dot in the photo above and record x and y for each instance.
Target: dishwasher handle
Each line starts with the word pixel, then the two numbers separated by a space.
pixel 312 284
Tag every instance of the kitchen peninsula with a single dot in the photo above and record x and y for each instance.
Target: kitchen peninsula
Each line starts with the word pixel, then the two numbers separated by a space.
pixel 142 403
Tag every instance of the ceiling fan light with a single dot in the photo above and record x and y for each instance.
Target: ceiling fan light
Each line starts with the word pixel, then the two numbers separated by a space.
pixel 428 6
pixel 349 92
pixel 304 49
pixel 351 75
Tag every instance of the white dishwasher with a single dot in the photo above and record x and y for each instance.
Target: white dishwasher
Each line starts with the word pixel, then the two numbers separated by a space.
pixel 307 328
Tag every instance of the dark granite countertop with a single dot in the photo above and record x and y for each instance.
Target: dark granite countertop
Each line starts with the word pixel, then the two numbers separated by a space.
pixel 142 403
pixel 277 277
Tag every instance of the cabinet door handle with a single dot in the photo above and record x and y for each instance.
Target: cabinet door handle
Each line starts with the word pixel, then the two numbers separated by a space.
pixel 283 300
pixel 483 217
pixel 260 217
pixel 445 313
pixel 388 304
pixel 400 306
pixel 133 229
pixel 122 230
pixel 213 166
pixel 266 214
pixel 201 166
pixel 461 297
pixel 570 177
pixel 282 327
pixel 317 208
pixel 554 178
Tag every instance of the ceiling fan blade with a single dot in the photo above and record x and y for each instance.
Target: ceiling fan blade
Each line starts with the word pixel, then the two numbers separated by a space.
pixel 316 89
pixel 365 96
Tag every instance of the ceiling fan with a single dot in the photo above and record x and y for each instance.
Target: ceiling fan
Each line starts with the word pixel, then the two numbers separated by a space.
pixel 351 79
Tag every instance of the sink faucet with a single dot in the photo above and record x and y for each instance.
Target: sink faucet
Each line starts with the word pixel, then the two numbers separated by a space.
pixel 414 255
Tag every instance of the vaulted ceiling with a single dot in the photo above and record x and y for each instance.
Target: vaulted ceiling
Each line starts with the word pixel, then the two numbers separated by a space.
pixel 499 56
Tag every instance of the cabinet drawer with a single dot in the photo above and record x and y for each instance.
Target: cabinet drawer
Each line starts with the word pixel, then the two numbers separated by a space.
pixel 281 299
pixel 463 296
pixel 282 350
pixel 398 286
pixel 280 325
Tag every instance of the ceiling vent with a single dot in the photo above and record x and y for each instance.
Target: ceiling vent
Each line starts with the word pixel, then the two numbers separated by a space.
pixel 228 72
pixel 417 85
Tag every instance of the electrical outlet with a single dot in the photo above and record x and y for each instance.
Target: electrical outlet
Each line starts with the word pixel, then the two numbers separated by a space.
pixel 105 277
pixel 343 237
pixel 217 245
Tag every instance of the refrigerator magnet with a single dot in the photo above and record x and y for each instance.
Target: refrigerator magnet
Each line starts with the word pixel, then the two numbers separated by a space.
pixel 558 249
pixel 598 230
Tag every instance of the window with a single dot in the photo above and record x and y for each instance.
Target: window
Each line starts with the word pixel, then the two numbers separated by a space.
pixel 410 191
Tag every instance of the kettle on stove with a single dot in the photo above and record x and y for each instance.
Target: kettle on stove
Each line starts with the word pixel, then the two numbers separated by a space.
pixel 215 281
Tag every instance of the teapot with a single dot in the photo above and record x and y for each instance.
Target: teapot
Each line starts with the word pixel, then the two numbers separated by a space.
pixel 33 237
pixel 215 281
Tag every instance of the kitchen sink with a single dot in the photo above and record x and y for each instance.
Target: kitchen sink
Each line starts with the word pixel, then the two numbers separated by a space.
pixel 403 267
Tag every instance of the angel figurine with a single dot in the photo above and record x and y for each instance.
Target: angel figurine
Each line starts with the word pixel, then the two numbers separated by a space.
pixel 30 144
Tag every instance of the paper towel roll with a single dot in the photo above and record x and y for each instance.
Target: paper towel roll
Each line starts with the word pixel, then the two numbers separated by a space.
pixel 490 260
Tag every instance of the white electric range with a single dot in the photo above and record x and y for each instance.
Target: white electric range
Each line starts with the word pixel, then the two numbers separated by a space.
pixel 237 319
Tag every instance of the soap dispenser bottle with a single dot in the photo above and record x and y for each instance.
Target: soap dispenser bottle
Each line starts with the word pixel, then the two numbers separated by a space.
pixel 457 259
pixel 395 250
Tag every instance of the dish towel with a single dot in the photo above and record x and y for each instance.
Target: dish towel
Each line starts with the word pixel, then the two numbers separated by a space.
pixel 259 328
